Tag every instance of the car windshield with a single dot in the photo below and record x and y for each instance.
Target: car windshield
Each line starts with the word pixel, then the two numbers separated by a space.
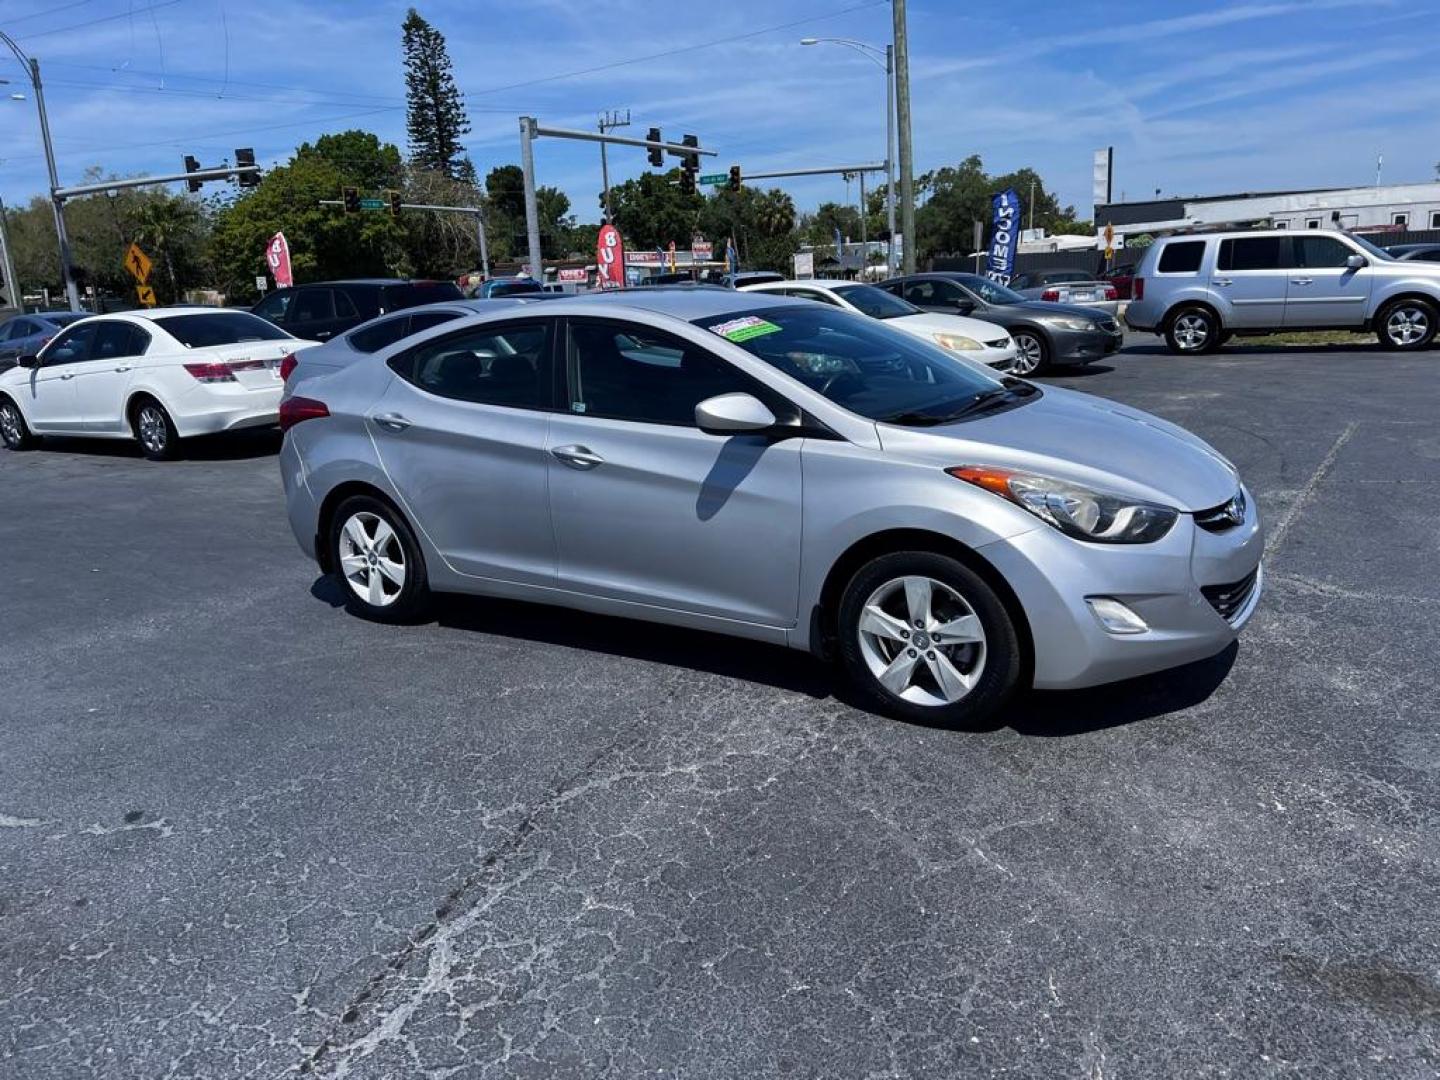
pixel 219 328
pixel 992 292
pixel 877 303
pixel 869 369
pixel 1378 252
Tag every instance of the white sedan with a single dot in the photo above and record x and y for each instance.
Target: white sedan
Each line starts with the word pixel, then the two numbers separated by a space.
pixel 973 339
pixel 155 376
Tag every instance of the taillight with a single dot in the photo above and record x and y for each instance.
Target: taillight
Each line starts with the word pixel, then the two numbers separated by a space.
pixel 1137 289
pixel 1112 293
pixel 295 409
pixel 211 373
pixel 1053 295
pixel 287 365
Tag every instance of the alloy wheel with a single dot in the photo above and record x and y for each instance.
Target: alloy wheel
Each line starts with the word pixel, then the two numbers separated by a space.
pixel 10 428
pixel 1028 354
pixel 1192 332
pixel 1408 324
pixel 153 430
pixel 372 559
pixel 922 641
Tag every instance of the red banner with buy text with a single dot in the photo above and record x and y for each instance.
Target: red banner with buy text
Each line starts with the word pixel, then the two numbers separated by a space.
pixel 610 258
pixel 277 257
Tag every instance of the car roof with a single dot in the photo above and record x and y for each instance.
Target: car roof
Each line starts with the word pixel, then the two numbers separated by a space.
pixel 828 284
pixel 686 304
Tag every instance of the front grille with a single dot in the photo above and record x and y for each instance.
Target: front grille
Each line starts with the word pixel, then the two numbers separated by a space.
pixel 1224 517
pixel 1228 599
pixel 998 343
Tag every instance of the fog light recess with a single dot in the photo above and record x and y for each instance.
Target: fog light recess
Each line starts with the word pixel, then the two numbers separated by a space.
pixel 1115 617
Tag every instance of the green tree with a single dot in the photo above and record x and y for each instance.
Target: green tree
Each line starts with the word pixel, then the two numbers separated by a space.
pixel 172 232
pixel 762 223
pixel 434 111
pixel 505 191
pixel 958 196
pixel 651 211
pixel 819 227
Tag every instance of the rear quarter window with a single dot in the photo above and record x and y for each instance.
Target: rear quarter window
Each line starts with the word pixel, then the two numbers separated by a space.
pixel 1181 258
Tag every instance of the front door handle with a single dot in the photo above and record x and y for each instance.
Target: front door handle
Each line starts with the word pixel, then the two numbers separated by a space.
pixel 124 367
pixel 577 456
pixel 392 421
pixel 1222 281
pixel 1302 281
pixel 67 375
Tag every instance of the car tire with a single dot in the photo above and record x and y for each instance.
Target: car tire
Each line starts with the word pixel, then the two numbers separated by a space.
pixel 154 430
pixel 13 429
pixel 1032 353
pixel 378 562
pixel 1192 331
pixel 896 665
pixel 1407 324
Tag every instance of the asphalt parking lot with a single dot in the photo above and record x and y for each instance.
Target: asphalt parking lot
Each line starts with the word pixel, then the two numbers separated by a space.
pixel 243 834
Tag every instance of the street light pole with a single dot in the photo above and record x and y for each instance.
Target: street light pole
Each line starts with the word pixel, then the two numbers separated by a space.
pixel 33 67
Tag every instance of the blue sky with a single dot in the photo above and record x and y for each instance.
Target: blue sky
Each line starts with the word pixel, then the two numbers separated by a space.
pixel 1194 97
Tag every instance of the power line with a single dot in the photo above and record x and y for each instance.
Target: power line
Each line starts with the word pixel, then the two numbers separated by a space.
pixel 92 22
pixel 43 14
pixel 205 78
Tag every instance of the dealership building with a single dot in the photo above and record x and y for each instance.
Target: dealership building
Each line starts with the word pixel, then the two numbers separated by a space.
pixel 1378 209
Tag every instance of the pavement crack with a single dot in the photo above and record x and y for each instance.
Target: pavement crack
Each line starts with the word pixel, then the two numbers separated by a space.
pixel 1307 492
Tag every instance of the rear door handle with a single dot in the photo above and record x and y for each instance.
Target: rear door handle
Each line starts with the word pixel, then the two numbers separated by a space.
pixel 577 456
pixel 392 421
pixel 1302 281
pixel 1223 281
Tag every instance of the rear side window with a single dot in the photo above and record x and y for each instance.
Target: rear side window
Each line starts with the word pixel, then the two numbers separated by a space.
pixel 376 336
pixel 488 365
pixel 1181 258
pixel 1250 253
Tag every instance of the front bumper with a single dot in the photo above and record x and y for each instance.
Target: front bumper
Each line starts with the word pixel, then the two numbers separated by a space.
pixel 1053 576
pixel 1083 346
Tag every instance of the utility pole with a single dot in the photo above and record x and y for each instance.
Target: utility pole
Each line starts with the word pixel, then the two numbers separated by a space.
pixel 1032 206
pixel 902 112
pixel 608 122
pixel 13 292
pixel 72 294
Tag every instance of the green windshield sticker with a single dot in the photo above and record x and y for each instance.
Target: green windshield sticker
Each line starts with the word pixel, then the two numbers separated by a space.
pixel 738 330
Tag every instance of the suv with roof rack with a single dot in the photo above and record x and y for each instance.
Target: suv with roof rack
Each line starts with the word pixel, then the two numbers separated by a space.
pixel 1199 290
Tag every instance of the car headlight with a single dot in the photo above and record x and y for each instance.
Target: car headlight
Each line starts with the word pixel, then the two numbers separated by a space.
pixel 1076 511
pixel 957 343
pixel 1074 324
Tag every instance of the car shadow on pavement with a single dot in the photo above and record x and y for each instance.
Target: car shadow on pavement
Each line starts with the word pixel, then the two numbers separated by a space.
pixel 233 446
pixel 1076 371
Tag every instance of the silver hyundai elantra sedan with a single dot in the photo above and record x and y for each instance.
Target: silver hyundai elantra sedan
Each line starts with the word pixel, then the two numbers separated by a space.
pixel 777 470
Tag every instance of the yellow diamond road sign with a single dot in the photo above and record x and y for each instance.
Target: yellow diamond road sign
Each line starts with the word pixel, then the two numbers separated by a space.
pixel 138 263
pixel 146 295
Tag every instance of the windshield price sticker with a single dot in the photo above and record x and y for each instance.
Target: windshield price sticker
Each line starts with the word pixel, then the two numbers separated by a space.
pixel 744 329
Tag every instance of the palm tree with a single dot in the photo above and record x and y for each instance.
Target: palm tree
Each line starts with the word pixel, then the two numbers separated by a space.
pixel 166 225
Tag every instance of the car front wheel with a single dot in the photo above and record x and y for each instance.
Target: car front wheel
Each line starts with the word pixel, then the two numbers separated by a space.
pixel 1192 331
pixel 378 561
pixel 1407 324
pixel 924 638
pixel 1032 353
pixel 13 429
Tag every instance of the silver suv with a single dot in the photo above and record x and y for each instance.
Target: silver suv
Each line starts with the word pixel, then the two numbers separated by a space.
pixel 1199 290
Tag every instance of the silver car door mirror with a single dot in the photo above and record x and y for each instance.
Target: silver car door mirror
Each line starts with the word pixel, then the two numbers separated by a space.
pixel 732 414
pixel 1355 262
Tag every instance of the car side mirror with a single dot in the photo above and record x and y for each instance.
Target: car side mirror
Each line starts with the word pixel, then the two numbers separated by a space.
pixel 1355 262
pixel 733 414
pixel 964 307
pixel 28 360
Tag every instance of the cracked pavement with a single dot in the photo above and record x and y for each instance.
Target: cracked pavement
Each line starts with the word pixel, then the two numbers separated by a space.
pixel 243 834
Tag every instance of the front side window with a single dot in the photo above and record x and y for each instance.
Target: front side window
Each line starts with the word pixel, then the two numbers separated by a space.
pixel 114 340
pixel 872 370
pixel 876 303
pixel 1320 252
pixel 71 347
pixel 219 328
pixel 1182 257
pixel 274 306
pixel 627 372
pixel 487 365
pixel 1250 253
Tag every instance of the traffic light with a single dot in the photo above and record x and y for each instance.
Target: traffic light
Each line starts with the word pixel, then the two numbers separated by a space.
pixel 734 184
pixel 191 165
pixel 393 198
pixel 657 156
pixel 350 197
pixel 245 156
pixel 687 182
pixel 690 161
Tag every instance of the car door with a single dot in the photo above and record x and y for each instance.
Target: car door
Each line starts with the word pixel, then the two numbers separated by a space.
pixel 1323 291
pixel 1252 273
pixel 650 510
pixel 51 403
pixel 101 381
pixel 461 431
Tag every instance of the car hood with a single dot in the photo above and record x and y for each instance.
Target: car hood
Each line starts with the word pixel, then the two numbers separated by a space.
pixel 1084 439
pixel 933 322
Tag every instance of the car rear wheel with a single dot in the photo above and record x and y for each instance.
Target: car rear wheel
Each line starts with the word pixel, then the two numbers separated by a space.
pixel 159 441
pixel 1032 353
pixel 1192 331
pixel 13 428
pixel 378 561
pixel 924 638
pixel 1407 324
